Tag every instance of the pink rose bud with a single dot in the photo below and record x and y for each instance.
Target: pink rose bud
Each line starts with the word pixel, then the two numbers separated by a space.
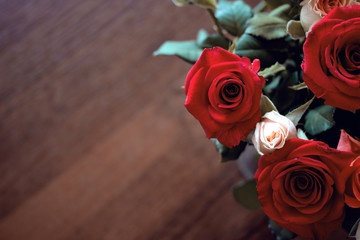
pixel 272 131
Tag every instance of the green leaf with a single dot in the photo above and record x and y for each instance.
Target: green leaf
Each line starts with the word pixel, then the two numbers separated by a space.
pixel 355 230
pixel 229 154
pixel 295 29
pixel 245 193
pixel 281 233
pixel 233 16
pixel 266 105
pixel 299 86
pixel 319 119
pixel 268 51
pixel 296 114
pixel 276 3
pixel 187 50
pixel 272 71
pixel 301 134
pixel 201 3
pixel 208 41
pixel 206 3
pixel 267 26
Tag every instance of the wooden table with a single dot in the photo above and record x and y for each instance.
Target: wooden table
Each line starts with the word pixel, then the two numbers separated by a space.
pixel 95 141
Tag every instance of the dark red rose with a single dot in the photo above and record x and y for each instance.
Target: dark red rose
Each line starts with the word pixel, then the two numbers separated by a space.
pixel 332 58
pixel 223 92
pixel 300 188
pixel 351 173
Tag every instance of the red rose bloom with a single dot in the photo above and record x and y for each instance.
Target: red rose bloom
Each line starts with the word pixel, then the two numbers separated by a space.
pixel 223 93
pixel 351 173
pixel 300 188
pixel 332 58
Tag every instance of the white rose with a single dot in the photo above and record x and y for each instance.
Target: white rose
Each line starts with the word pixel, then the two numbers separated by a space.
pixel 272 131
pixel 313 11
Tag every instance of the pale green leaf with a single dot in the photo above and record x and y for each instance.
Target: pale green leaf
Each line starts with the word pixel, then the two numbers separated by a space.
pixel 301 134
pixel 295 29
pixel 272 70
pixel 355 230
pixel 319 119
pixel 296 114
pixel 233 16
pixel 267 26
pixel 187 50
pixel 299 86
pixel 206 3
pixel 245 193
pixel 266 105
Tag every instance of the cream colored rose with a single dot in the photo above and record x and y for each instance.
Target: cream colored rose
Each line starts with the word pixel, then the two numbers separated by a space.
pixel 313 11
pixel 272 131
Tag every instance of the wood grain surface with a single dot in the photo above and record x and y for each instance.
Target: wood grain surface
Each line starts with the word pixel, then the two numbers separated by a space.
pixel 95 141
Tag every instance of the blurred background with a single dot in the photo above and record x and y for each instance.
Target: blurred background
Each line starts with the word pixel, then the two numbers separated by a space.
pixel 95 141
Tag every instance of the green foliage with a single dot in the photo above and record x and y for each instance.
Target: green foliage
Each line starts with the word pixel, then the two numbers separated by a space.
pixel 208 41
pixel 267 26
pixel 245 193
pixel 353 232
pixel 319 119
pixel 266 105
pixel 268 51
pixel 229 154
pixel 276 3
pixel 272 70
pixel 233 16
pixel 187 50
pixel 296 114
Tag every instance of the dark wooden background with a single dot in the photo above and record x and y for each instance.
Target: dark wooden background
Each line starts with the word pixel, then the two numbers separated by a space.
pixel 95 141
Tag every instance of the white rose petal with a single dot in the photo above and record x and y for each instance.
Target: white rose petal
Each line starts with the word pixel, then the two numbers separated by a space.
pixel 272 132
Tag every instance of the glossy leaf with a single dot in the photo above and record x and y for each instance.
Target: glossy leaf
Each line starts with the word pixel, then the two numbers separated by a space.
pixel 319 119
pixel 296 114
pixel 233 16
pixel 187 50
pixel 266 105
pixel 267 26
pixel 272 70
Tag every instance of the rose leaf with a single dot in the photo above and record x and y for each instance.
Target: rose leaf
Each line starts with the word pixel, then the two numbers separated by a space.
pixel 233 16
pixel 355 230
pixel 208 41
pixel 245 194
pixel 266 105
pixel 296 114
pixel 299 86
pixel 229 154
pixel 319 119
pixel 187 50
pixel 276 3
pixel 267 26
pixel 272 70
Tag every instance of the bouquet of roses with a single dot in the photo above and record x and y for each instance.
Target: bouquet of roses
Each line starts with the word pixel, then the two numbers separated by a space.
pixel 277 87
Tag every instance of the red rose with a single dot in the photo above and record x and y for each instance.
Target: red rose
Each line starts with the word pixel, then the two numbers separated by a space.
pixel 300 188
pixel 351 173
pixel 223 93
pixel 332 58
